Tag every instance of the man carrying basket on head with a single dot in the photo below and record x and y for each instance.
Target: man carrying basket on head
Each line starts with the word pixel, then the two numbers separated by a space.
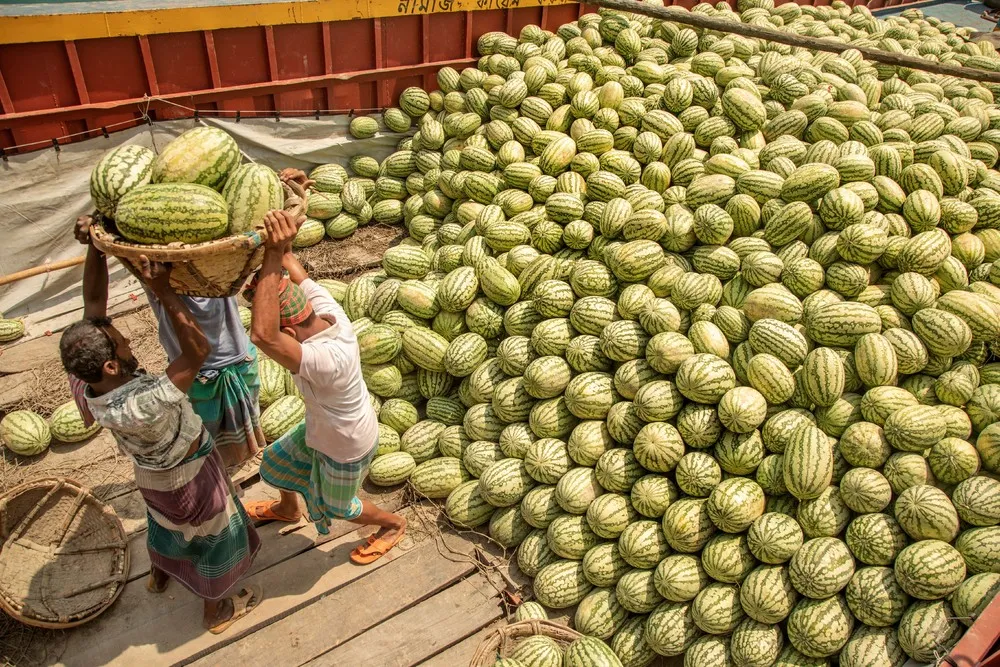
pixel 198 532
pixel 224 395
pixel 325 457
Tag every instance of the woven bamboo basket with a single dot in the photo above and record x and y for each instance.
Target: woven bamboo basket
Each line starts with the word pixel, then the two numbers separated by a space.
pixel 64 558
pixel 216 268
pixel 500 642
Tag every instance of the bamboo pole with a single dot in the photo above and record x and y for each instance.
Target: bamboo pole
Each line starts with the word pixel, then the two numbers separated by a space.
pixel 38 270
pixel 680 15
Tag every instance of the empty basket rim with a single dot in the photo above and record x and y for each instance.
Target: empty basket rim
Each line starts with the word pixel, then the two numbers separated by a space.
pixel 116 547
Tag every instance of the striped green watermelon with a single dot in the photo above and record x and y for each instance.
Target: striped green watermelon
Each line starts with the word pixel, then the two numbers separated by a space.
pixel 537 650
pixel 929 569
pixel 561 584
pixel 533 553
pixel 716 609
pixel 588 651
pixel 872 646
pixel 202 155
pixel 24 432
pixel 118 172
pixel 251 190
pixel 767 594
pixel 875 598
pixel 599 614
pixel 755 643
pixel 284 414
pixel 438 477
pixel 820 628
pixel 163 213
pixel 66 424
pixel 926 512
pixel 392 468
pixel 821 567
pixel 670 628
pixel 774 538
pixel 928 628
pixel 10 330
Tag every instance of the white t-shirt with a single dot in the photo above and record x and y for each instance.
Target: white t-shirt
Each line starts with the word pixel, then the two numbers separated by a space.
pixel 340 420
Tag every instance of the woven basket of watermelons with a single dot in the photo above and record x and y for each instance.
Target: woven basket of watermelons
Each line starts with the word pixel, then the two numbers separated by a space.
pixel 508 640
pixel 64 555
pixel 214 240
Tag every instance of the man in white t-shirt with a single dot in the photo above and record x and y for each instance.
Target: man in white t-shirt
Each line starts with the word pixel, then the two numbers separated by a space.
pixel 299 325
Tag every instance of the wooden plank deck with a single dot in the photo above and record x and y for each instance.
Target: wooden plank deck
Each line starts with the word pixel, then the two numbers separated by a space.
pixel 427 600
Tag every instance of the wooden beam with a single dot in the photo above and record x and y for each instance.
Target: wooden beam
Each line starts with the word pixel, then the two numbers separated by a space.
pixel 74 65
pixel 5 102
pixel 38 270
pixel 381 90
pixel 328 60
pixel 680 15
pixel 213 58
pixel 147 63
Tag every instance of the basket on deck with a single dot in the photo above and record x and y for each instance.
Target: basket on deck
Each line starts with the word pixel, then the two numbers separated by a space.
pixel 216 268
pixel 500 642
pixel 64 557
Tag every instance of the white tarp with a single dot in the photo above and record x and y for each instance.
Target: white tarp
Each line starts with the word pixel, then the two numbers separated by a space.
pixel 42 194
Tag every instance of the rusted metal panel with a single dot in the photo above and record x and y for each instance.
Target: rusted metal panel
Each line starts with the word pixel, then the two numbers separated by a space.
pixel 978 645
pixel 54 89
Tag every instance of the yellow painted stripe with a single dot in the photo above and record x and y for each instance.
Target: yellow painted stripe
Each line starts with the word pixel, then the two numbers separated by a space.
pixel 23 29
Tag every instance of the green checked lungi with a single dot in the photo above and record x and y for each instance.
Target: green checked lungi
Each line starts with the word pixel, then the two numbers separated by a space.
pixel 226 401
pixel 329 488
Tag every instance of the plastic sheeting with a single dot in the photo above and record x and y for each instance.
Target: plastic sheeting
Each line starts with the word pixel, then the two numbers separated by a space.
pixel 42 194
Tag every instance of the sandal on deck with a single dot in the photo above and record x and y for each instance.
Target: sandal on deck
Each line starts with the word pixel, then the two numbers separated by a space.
pixel 375 548
pixel 263 510
pixel 243 603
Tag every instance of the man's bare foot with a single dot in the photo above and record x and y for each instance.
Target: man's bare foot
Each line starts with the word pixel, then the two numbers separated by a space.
pixel 390 532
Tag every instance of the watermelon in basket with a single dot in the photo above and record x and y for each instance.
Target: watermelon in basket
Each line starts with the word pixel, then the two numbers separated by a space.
pixel 193 205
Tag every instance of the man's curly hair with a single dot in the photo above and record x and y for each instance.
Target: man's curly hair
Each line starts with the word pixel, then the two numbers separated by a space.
pixel 85 347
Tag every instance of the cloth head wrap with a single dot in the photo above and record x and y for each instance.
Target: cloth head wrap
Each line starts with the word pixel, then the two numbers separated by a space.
pixel 292 301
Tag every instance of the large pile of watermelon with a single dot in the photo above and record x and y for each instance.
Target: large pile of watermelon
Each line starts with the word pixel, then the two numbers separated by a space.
pixel 703 325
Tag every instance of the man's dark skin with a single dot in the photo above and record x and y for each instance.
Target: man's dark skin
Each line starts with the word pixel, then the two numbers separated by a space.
pixel 182 371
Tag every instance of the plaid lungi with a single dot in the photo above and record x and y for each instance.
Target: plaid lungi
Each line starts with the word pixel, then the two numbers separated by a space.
pixel 198 533
pixel 329 488
pixel 226 401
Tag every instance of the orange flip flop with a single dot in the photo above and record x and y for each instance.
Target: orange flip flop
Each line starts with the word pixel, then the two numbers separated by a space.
pixel 375 548
pixel 263 510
